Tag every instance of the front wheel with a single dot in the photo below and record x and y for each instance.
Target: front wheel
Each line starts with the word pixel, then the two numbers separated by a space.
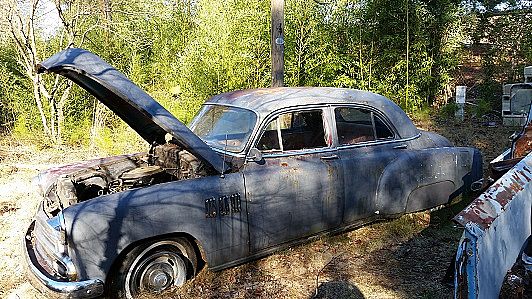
pixel 153 268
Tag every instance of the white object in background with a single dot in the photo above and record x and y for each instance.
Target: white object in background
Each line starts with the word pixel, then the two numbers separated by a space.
pixel 460 94
pixel 460 101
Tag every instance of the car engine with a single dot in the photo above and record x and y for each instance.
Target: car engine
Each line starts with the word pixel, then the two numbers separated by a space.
pixel 163 163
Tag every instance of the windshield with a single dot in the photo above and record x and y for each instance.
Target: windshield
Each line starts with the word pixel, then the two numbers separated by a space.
pixel 224 127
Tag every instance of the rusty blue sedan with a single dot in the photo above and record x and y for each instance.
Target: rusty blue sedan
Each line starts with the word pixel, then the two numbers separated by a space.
pixel 255 171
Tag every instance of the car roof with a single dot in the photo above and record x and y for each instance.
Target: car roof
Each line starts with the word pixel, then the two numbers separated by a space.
pixel 264 101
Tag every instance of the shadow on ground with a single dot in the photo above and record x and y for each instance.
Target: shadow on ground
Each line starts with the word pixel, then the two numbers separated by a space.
pixel 337 289
pixel 418 267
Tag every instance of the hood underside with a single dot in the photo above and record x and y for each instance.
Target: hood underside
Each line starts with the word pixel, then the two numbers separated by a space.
pixel 132 104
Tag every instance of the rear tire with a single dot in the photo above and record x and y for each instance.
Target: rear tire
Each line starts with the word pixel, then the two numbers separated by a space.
pixel 153 267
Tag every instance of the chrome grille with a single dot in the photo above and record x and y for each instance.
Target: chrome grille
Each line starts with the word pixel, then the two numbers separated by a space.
pixel 49 248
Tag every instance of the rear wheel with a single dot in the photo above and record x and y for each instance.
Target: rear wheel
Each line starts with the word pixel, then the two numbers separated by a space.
pixel 154 267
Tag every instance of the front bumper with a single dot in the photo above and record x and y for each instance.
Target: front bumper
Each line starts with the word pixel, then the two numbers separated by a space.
pixel 52 287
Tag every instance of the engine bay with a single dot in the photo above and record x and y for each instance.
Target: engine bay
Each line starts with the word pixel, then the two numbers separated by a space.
pixel 163 163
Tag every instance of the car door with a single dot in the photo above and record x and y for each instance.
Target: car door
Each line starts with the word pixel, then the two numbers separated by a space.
pixel 296 189
pixel 366 145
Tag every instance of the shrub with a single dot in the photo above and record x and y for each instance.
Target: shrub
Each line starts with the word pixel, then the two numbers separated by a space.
pixel 448 111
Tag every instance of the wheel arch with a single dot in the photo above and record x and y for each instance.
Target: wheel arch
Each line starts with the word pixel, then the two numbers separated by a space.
pixel 194 242
pixel 416 175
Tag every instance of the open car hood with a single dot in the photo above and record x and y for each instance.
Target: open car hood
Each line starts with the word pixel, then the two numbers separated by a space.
pixel 132 104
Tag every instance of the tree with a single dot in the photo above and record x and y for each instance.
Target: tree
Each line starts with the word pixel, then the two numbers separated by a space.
pixel 230 50
pixel 50 96
pixel 184 51
pixel 501 35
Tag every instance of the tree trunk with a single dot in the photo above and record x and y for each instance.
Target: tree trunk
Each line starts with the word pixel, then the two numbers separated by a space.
pixel 97 122
pixel 61 114
pixel 38 101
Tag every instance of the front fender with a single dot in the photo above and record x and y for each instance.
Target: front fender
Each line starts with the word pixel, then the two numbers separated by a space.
pixel 425 178
pixel 100 229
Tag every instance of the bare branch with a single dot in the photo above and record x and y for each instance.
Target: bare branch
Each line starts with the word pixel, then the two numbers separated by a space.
pixel 84 35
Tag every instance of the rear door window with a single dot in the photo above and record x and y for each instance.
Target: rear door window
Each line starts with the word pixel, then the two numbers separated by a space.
pixel 358 125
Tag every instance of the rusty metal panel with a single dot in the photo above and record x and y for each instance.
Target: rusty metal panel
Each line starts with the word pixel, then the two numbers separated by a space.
pixel 523 144
pixel 496 225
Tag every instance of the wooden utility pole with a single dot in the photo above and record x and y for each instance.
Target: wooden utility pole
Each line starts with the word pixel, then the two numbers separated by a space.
pixel 277 42
pixel 407 55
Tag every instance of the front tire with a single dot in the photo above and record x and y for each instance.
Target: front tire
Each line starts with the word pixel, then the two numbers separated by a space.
pixel 154 267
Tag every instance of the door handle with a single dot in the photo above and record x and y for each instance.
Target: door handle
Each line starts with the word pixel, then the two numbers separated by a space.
pixel 401 146
pixel 331 157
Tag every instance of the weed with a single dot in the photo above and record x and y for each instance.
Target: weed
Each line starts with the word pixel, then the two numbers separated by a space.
pixel 448 111
pixel 422 114
pixel 483 107
pixel 119 140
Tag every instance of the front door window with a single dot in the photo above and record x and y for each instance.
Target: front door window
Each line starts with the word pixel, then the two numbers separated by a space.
pixel 294 131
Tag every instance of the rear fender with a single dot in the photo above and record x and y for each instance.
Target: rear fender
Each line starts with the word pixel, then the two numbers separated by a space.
pixel 423 179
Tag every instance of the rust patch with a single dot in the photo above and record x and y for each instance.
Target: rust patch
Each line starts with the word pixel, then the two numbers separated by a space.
pixel 523 145
pixel 526 170
pixel 481 213
pixel 7 207
pixel 487 207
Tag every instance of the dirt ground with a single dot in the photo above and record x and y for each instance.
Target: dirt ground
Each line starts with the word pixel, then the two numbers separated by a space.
pixel 404 258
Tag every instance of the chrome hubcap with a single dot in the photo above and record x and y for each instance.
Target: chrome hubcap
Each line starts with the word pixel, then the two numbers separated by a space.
pixel 160 280
pixel 155 273
pixel 159 274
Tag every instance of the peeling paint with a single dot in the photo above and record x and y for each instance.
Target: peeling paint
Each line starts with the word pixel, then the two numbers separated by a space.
pixel 495 226
pixel 486 208
pixel 523 145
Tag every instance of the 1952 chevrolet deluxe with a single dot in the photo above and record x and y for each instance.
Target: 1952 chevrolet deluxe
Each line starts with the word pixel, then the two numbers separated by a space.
pixel 255 171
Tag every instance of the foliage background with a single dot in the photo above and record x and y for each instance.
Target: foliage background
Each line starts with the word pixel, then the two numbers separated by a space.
pixel 184 51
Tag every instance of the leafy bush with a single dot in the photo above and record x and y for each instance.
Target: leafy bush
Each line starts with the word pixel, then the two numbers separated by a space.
pixel 483 107
pixel 207 47
pixel 448 111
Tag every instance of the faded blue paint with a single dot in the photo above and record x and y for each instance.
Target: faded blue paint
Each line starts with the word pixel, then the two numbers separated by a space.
pixel 496 224
pixel 132 104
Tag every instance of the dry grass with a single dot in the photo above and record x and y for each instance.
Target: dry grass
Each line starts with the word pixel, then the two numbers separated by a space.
pixel 395 259
pixel 18 165
pixel 404 258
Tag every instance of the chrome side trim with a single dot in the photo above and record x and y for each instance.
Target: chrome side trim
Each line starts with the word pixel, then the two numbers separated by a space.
pixel 52 288
pixel 300 152
pixel 332 149
pixel 372 143
pixel 501 156
pixel 227 153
